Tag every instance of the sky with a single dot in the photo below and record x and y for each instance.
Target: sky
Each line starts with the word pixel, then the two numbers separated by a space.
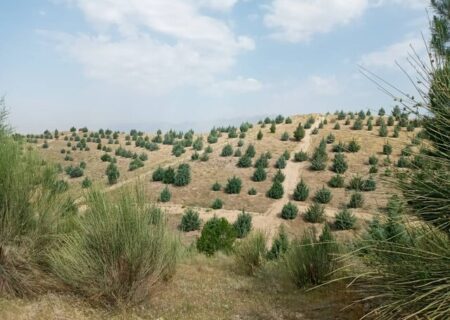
pixel 147 64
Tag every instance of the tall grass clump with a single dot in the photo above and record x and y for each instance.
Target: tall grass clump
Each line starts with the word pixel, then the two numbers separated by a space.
pixel 118 251
pixel 250 253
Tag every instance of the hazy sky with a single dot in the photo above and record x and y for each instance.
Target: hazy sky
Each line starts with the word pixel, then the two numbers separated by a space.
pixel 127 63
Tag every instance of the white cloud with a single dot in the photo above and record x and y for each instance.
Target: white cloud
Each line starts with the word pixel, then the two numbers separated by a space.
pixel 239 85
pixel 299 20
pixel 155 45
pixel 412 4
pixel 323 85
pixel 397 52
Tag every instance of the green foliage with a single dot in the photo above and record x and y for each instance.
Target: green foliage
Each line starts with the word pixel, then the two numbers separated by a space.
pixel 250 152
pixel 373 160
pixel 301 191
pixel 337 126
pixel 74 172
pixel 86 183
pixel 234 185
pixel 310 261
pixel 339 163
pixel 190 221
pixel 299 133
pixel 387 149
pixel 165 195
pixel 279 176
pixel 300 156
pixel 227 151
pixel 336 181
pixel 276 191
pixel 330 138
pixel 158 174
pixel 315 213
pixel 262 161
pixel 252 192
pixel 216 186
pixel 340 147
pixel 285 136
pixel 260 174
pixel 289 211
pixel 281 163
pixel 243 225
pixel 106 157
pixel 183 175
pixel 356 200
pixel 358 124
pixel 113 174
pixel 344 220
pixel 353 146
pixel 260 135
pixel 198 144
pixel 217 234
pixel 323 195
pixel 273 127
pixel 217 204
pixel 135 164
pixel 244 161
pixel 250 253
pixel 383 132
pixel 403 162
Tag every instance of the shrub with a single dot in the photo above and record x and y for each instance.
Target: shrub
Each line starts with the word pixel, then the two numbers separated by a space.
pixel 195 156
pixel 301 192
pixel 217 204
pixel 237 153
pixel 337 126
pixel 280 245
pixel 344 220
pixel 204 157
pixel 358 124
pixel 120 252
pixel 106 157
pixel 86 183
pixel 315 213
pixel 289 211
pixel 356 183
pixel 169 176
pixel 323 195
pixel 373 160
pixel 396 132
pixel 356 200
pixel 406 151
pixel 383 132
pixel 273 127
pixel 216 186
pixel 281 163
pixel 353 146
pixel 299 133
pixel 262 161
pixel 369 185
pixel 233 186
pixel 276 191
pixel 336 181
pixel 113 174
pixel 243 225
pixel 190 221
pixel 339 163
pixel 330 138
pixel 198 144
pixel 74 172
pixel 250 253
pixel 217 234
pixel 227 151
pixel 260 135
pixel 387 149
pixel 403 162
pixel 373 169
pixel 286 155
pixel 244 162
pixel 285 136
pixel 259 174
pixel 340 147
pixel 310 261
pixel 208 149
pixel 250 152
pixel 158 174
pixel 252 192
pixel 318 164
pixel 135 164
pixel 279 176
pixel 300 156
pixel 183 175
pixel 165 195
pixel 315 131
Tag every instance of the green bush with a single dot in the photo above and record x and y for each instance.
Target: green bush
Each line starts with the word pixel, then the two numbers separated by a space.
pixel 356 183
pixel 238 153
pixel 86 183
pixel 116 254
pixel 353 146
pixel 233 186
pixel 289 211
pixel 358 124
pixel 165 195
pixel 195 156
pixel 323 195
pixel 217 234
pixel 279 246
pixel 227 151
pixel 301 192
pixel 299 133
pixel 260 174
pixel 403 162
pixel 344 220
pixel 113 174
pixel 169 176
pixel 190 221
pixel 318 164
pixel 74 172
pixel 330 138
pixel 300 156
pixel 204 157
pixel 373 160
pixel 183 175
pixel 281 163
pixel 135 164
pixel 216 186
pixel 260 135
pixel 336 181
pixel 250 253
pixel 383 132
pixel 243 224
pixel 369 185
pixel 262 161
pixel 315 213
pixel 310 261
pixel 285 136
pixel 276 191
pixel 244 162
pixel 339 163
pixel 337 126
pixel 340 147
pixel 279 176
pixel 252 192
pixel 158 174
pixel 356 200
pixel 387 149
pixel 217 204
pixel 406 151
pixel 273 127
pixel 373 169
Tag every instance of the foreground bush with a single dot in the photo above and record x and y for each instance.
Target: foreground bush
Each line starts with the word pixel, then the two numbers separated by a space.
pixel 190 221
pixel 315 213
pixel 118 252
pixel 243 224
pixel 344 220
pixel 310 261
pixel 289 211
pixel 217 234
pixel 280 245
pixel 250 254
pixel 234 185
